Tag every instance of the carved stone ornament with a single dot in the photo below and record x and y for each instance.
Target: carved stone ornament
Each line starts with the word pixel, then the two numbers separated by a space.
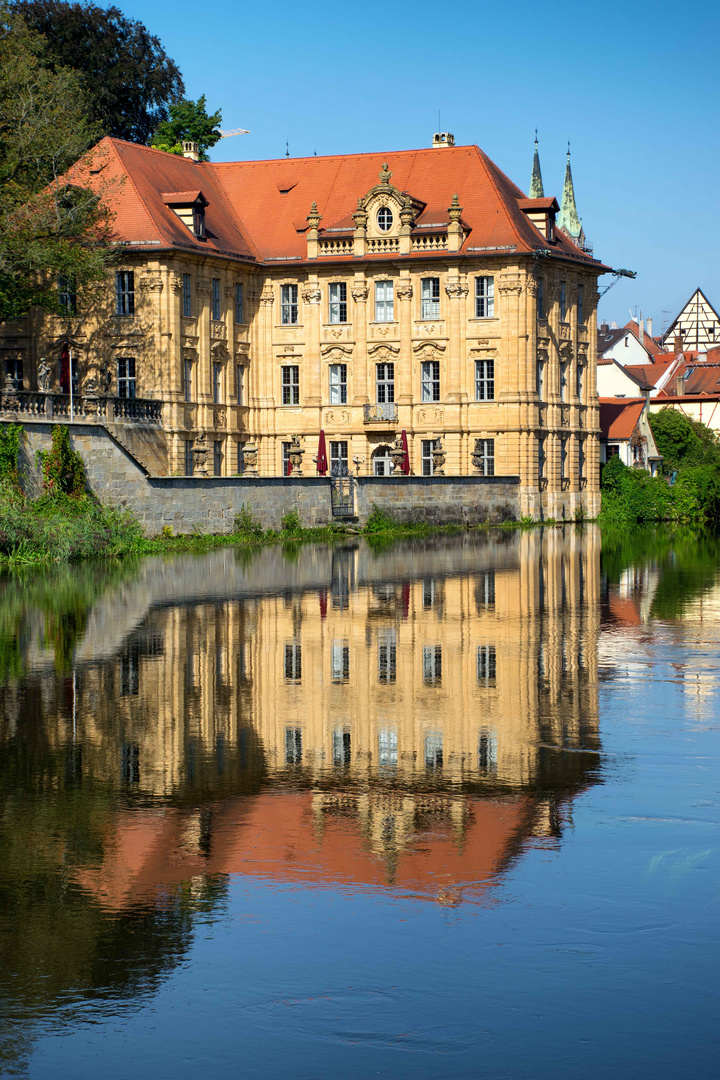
pixel 566 351
pixel 385 175
pixel 200 453
pixel 397 455
pixel 455 209
pixel 510 283
pixel 438 455
pixel 203 285
pixel 295 456
pixel 531 286
pixel 311 295
pixel 242 350
pixel 267 296
pixel 360 217
pixel 337 352
pixel 456 290
pixel 176 282
pixel 230 293
pixel 384 352
pixel 404 291
pixel 314 218
pixel 407 212
pixel 359 293
pixel 218 331
pixel 219 418
pixel 564 331
pixel 9 401
pixel 429 349
pixel 250 456
pixel 188 353
pixel 478 459
pixel 151 283
pixel 338 419
pixel 44 375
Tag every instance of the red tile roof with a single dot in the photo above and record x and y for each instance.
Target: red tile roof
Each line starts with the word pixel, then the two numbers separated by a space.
pixel 648 374
pixel 257 208
pixel 619 416
pixel 699 379
pixel 650 343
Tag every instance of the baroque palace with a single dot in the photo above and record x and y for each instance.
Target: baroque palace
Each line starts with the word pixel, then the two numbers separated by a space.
pixel 410 312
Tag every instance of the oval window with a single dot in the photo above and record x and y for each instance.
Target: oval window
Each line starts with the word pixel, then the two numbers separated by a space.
pixel 385 218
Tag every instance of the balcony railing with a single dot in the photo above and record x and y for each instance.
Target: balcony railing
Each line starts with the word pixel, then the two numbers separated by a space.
pixel 385 413
pixel 39 405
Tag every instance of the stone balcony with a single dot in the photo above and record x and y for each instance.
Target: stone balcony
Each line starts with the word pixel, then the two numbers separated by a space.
pixel 381 414
pixel 24 405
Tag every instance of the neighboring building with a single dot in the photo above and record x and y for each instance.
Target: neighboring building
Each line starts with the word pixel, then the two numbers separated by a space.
pixel 362 296
pixel 697 326
pixel 693 389
pixel 626 433
pixel 625 380
pixel 630 344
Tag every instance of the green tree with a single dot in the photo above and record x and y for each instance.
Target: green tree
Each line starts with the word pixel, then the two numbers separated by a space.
pixel 48 227
pixel 189 122
pixel 683 442
pixel 129 79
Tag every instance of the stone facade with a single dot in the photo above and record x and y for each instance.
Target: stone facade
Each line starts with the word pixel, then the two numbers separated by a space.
pixel 488 349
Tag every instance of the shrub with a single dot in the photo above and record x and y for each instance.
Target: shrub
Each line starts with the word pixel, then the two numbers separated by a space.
pixel 379 521
pixel 246 524
pixel 63 469
pixel 290 523
pixel 9 450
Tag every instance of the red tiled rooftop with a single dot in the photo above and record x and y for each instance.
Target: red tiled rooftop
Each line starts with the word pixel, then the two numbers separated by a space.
pixel 619 416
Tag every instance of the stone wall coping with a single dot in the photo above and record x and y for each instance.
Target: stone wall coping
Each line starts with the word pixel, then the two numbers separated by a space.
pixel 438 481
pixel 299 481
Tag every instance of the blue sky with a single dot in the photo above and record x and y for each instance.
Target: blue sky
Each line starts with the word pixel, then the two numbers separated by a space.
pixel 634 86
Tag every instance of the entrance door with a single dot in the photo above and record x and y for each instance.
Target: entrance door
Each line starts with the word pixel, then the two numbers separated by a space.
pixel 339 459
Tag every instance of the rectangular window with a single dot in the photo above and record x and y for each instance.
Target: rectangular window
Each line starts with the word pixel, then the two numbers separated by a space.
pixel 432 664
pixel 433 750
pixel 541 298
pixel 387 656
pixel 291 385
pixel 293 661
pixel 189 462
pixel 579 378
pixel 188 380
pixel 428 462
pixel 342 747
pixel 484 297
pixel 383 301
pixel 125 292
pixel 581 459
pixel 339 458
pixel 385 383
pixel 126 377
pixel 338 384
pixel 293 746
pixel 217 382
pixel 485 591
pixel 238 302
pixel 217 457
pixel 563 380
pixel 484 380
pixel 288 304
pixel 563 301
pixel 486 665
pixel 340 661
pixel 430 298
pixel 187 296
pixel 387 748
pixel 216 298
pixel 487 752
pixel 430 380
pixel 486 454
pixel 581 305
pixel 541 459
pixel 240 383
pixel 286 463
pixel 563 459
pixel 337 302
pixel 541 378
pixel 240 458
pixel 67 295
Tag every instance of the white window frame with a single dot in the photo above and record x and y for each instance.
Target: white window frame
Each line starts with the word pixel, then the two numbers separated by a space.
pixel 384 461
pixel 384 301
pixel 337 302
pixel 290 384
pixel 432 664
pixel 485 297
pixel 337 376
pixel 487 457
pixel 124 292
pixel 427 459
pixel 126 377
pixel 217 382
pixel 289 305
pixel 387 748
pixel 485 380
pixel 385 382
pixel 430 380
pixel 486 664
pixel 340 661
pixel 385 219
pixel 430 298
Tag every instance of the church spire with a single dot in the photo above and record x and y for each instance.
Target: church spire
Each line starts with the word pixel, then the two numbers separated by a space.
pixel 536 184
pixel 568 220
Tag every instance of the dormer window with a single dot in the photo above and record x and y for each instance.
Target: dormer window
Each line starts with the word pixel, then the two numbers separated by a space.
pixel 385 219
pixel 189 206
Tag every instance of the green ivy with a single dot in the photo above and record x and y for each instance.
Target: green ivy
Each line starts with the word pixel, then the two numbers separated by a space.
pixel 63 469
pixel 9 450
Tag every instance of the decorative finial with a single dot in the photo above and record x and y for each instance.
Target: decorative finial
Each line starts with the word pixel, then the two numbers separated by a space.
pixel 287 149
pixel 568 154
pixel 313 219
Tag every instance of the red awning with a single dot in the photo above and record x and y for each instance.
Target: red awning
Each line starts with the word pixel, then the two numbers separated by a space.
pixel 322 463
pixel 405 465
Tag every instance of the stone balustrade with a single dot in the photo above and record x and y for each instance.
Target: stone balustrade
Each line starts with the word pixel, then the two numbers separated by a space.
pixel 39 405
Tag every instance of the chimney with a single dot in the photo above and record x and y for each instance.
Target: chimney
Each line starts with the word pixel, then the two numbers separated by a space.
pixel 649 326
pixel 190 151
pixel 680 383
pixel 604 327
pixel 678 343
pixel 442 139
pixel 641 328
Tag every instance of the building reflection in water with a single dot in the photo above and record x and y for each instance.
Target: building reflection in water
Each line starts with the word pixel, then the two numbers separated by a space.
pixel 409 719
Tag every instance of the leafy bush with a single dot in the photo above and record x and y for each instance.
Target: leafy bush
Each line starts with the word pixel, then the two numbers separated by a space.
pixel 63 468
pixel 9 450
pixel 246 524
pixel 291 523
pixel 632 495
pixel 379 521
pixel 683 442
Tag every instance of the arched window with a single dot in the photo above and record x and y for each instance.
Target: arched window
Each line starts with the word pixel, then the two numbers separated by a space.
pixel 385 219
pixel 382 462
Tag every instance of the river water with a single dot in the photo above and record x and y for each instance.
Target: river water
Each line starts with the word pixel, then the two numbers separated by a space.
pixel 432 809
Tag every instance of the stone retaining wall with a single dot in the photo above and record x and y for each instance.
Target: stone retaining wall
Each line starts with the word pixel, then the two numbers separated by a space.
pixel 210 504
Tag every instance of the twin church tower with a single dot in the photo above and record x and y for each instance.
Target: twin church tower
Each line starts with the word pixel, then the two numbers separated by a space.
pixel 568 219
